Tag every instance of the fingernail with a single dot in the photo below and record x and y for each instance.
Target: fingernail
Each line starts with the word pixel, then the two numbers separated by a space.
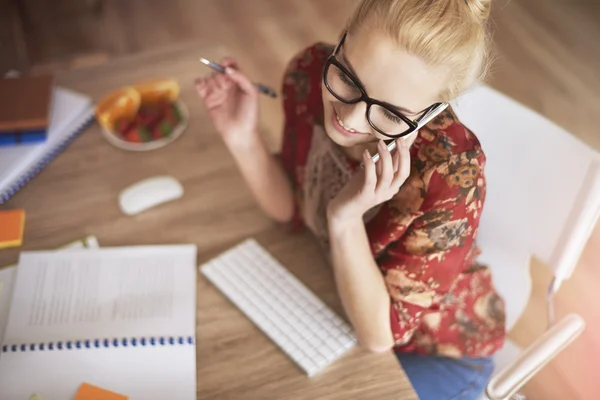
pixel 229 71
pixel 366 154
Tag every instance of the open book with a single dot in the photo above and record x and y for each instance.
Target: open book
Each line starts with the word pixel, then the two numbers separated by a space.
pixel 118 318
pixel 7 278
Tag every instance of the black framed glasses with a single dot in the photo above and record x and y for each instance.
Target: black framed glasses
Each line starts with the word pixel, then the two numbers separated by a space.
pixel 382 116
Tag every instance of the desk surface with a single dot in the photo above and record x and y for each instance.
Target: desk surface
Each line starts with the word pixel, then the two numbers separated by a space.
pixel 76 195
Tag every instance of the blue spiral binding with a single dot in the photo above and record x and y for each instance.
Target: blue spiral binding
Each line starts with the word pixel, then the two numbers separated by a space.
pixel 27 176
pixel 99 343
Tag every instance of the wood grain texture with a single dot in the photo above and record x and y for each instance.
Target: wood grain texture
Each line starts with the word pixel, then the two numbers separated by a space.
pixel 77 195
pixel 548 58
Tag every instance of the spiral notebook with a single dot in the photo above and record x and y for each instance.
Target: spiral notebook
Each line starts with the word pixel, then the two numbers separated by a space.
pixel 71 112
pixel 122 319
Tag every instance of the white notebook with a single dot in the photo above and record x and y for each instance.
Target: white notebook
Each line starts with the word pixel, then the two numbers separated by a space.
pixel 71 113
pixel 122 319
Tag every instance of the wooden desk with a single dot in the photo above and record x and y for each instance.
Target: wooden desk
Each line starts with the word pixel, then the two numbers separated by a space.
pixel 77 195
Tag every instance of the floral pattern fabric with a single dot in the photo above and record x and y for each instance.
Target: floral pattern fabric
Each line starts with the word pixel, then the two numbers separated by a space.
pixel 423 240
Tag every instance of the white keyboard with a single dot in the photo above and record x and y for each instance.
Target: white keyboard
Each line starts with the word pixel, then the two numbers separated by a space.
pixel 308 331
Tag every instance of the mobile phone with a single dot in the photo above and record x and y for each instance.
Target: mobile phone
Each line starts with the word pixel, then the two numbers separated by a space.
pixel 421 123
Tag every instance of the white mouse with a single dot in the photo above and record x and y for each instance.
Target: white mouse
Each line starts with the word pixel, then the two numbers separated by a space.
pixel 149 193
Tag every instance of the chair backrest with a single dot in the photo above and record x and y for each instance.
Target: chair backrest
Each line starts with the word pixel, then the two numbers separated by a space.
pixel 543 184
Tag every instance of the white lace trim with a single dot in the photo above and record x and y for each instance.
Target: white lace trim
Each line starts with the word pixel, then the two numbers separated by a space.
pixel 326 172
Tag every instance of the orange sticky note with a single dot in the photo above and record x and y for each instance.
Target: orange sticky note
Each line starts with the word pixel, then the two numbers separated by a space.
pixel 91 392
pixel 12 224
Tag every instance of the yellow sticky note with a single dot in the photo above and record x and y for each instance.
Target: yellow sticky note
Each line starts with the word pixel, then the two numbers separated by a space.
pixel 12 224
pixel 35 397
pixel 91 392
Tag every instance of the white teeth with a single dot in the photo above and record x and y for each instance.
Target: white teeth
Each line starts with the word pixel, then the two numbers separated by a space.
pixel 342 124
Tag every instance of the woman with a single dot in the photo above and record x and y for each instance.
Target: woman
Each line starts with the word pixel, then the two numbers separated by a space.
pixel 400 232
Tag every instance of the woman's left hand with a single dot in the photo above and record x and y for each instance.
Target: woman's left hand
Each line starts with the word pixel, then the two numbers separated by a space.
pixel 374 184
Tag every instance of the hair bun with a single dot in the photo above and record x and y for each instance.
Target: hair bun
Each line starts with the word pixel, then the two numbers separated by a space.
pixel 480 9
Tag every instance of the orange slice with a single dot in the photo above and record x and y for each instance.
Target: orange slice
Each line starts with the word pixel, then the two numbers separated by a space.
pixel 158 90
pixel 121 104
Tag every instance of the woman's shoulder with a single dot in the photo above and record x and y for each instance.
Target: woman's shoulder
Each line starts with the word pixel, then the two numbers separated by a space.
pixel 449 163
pixel 310 57
pixel 447 140
pixel 306 65
pixel 303 105
pixel 301 86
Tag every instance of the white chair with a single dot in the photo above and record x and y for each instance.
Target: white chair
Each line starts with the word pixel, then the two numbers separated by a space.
pixel 543 200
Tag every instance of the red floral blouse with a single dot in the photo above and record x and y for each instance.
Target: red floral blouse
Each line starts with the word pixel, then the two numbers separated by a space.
pixel 423 239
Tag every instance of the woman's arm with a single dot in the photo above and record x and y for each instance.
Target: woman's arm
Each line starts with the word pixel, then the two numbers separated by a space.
pixel 232 103
pixel 359 281
pixel 266 179
pixel 360 284
pixel 424 262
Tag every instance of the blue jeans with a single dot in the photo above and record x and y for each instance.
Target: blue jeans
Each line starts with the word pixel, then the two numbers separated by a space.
pixel 441 378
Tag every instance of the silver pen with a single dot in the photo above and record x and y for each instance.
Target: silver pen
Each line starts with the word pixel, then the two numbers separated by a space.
pixel 219 68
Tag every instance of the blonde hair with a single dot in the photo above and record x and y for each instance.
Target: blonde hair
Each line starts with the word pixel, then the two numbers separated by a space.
pixel 450 33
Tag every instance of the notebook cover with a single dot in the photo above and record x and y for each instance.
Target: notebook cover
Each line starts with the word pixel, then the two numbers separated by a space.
pixel 25 102
pixel 72 112
pixel 23 137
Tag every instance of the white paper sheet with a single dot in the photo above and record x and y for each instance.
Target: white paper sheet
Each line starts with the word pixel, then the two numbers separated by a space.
pixel 142 373
pixel 7 275
pixel 143 291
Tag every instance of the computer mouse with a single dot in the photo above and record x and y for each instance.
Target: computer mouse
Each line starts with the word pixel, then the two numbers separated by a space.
pixel 149 193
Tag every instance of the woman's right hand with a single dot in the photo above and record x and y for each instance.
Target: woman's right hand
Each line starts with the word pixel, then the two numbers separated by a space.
pixel 232 103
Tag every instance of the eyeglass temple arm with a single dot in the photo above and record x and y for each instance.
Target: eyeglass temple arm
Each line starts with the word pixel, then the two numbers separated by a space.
pixel 431 114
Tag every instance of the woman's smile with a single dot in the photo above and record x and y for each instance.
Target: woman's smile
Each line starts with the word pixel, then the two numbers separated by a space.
pixel 341 128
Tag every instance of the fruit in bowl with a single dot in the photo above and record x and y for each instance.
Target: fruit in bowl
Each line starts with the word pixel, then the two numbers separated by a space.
pixel 151 122
pixel 145 116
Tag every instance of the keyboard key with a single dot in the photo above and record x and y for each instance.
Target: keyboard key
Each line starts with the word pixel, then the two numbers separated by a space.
pixel 332 343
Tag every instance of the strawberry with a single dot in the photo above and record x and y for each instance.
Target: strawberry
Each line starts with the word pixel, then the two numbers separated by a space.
pixel 122 126
pixel 170 117
pixel 139 119
pixel 157 133
pixel 137 135
pixel 152 116
pixel 132 135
